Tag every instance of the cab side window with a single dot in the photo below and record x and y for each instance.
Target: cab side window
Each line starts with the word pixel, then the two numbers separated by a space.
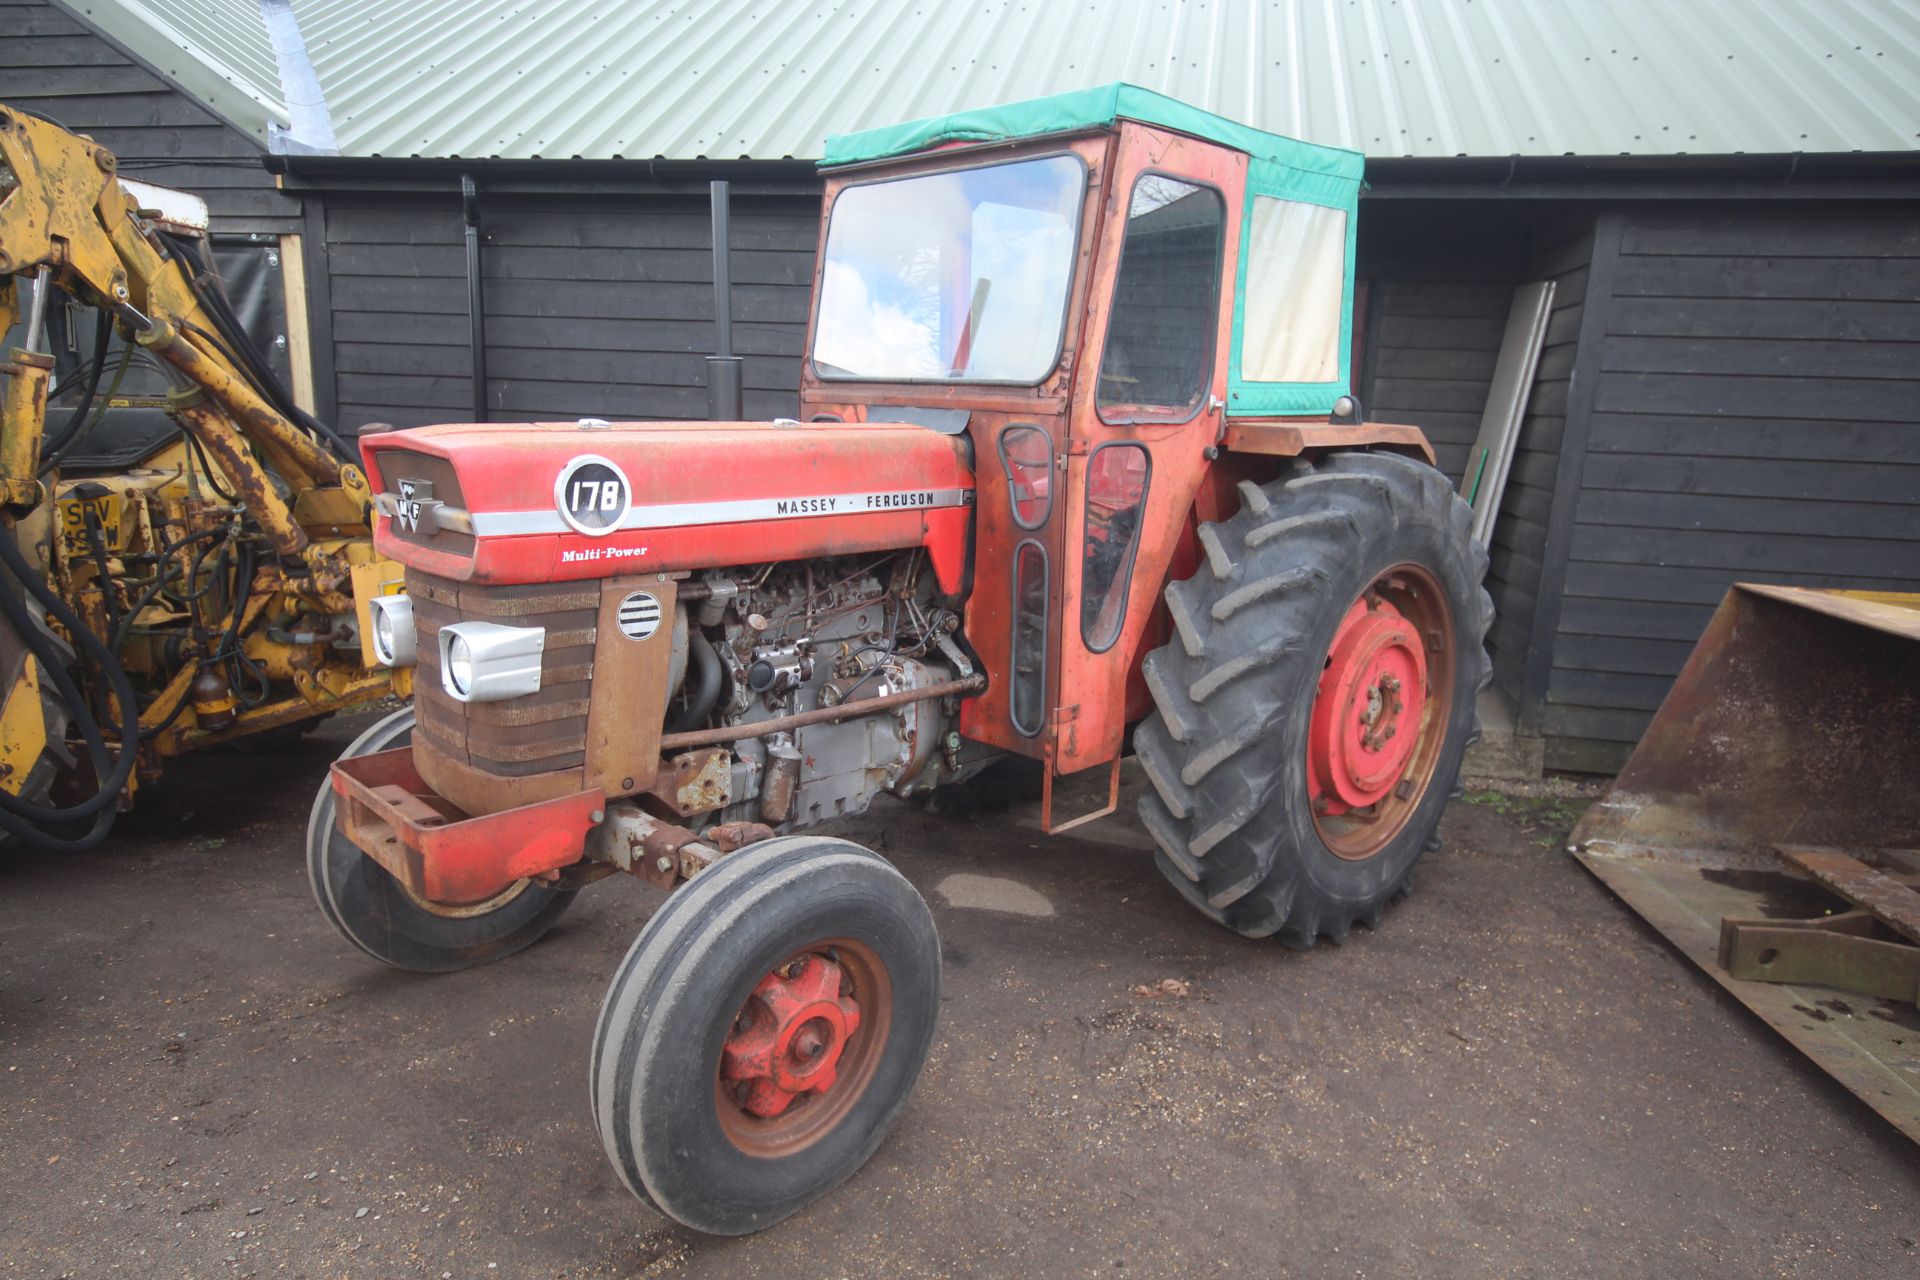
pixel 1027 455
pixel 1117 478
pixel 1166 293
pixel 1296 278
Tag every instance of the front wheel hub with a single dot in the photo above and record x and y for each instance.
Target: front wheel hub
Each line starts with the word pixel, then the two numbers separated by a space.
pixel 789 1036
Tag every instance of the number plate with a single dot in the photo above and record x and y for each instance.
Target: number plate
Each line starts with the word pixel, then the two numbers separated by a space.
pixel 107 509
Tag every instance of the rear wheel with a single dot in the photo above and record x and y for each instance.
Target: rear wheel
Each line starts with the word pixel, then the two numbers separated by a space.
pixel 1318 695
pixel 379 915
pixel 763 1032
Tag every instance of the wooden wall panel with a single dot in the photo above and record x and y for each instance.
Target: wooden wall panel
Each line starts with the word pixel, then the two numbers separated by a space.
pixel 596 307
pixel 55 66
pixel 1562 250
pixel 1756 418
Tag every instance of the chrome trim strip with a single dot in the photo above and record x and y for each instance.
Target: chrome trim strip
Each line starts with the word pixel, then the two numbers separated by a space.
pixel 503 524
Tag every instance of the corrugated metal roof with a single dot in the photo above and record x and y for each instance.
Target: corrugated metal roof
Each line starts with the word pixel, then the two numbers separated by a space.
pixel 684 79
pixel 216 50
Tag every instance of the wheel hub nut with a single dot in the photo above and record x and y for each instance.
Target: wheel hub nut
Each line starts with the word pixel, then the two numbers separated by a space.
pixel 796 1047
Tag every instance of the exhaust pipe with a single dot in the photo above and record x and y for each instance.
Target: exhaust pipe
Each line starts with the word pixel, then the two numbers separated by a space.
pixel 723 367
pixel 476 295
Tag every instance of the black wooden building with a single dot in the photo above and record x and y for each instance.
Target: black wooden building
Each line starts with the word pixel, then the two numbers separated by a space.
pixel 1729 387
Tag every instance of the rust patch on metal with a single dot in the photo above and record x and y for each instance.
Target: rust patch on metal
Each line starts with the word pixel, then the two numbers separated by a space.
pixel 1289 439
pixel 1844 952
pixel 1792 723
pixel 695 781
pixel 628 703
pixel 728 837
pixel 1885 898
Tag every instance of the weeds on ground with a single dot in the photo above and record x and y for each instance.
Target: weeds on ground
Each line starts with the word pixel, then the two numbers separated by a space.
pixel 1548 818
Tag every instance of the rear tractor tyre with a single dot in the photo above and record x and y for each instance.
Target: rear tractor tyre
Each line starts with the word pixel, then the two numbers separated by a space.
pixel 377 914
pixel 764 1031
pixel 1317 697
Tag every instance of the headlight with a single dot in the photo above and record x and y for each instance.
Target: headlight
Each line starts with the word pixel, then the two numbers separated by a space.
pixel 485 662
pixel 459 666
pixel 393 635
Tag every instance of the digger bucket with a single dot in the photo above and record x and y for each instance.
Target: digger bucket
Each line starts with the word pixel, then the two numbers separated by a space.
pixel 1768 824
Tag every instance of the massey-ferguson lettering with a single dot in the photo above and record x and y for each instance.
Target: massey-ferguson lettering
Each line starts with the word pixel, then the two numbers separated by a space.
pixel 1055 493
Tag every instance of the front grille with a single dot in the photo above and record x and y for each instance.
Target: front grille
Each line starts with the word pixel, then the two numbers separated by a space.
pixel 542 732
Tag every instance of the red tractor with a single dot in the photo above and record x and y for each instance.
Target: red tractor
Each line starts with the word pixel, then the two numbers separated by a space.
pixel 1077 466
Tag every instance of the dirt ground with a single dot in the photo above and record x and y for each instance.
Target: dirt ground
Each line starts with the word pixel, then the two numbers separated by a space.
pixel 1514 1076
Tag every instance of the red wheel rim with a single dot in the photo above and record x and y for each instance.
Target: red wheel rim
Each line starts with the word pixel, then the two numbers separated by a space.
pixel 803 1048
pixel 1380 712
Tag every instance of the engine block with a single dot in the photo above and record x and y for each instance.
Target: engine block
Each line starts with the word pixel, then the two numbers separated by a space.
pixel 793 638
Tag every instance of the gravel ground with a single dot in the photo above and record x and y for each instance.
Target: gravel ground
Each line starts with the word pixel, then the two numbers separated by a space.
pixel 1514 1076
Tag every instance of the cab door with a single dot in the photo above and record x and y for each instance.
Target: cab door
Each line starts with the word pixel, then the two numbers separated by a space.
pixel 1146 410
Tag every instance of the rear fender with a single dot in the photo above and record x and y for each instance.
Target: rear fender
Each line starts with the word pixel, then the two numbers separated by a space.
pixel 1256 451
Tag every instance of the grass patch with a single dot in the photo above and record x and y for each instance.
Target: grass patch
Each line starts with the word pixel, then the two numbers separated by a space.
pixel 1549 818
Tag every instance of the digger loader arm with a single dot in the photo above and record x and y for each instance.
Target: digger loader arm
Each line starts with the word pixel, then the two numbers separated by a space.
pixel 179 645
pixel 66 218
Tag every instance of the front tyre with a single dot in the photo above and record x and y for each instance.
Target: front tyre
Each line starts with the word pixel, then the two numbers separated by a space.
pixel 1316 700
pixel 763 1032
pixel 377 914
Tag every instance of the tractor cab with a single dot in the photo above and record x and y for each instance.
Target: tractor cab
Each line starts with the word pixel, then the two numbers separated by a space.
pixel 1096 288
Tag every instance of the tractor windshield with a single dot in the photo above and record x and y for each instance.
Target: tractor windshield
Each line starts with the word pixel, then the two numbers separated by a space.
pixel 950 277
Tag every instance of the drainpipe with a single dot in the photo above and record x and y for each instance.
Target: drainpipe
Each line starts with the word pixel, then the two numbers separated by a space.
pixel 476 297
pixel 723 367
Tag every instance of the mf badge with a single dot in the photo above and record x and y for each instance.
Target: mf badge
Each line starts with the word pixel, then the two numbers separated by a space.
pixel 417 510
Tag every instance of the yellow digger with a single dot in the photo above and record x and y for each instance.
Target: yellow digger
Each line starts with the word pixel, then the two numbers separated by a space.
pixel 1769 825
pixel 208 582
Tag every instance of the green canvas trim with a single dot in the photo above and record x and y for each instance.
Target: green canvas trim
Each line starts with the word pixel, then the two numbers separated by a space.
pixel 1277 166
pixel 1085 109
pixel 1334 192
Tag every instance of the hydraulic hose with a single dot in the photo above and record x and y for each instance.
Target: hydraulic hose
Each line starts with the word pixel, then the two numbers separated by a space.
pixel 55 445
pixel 18 817
pixel 51 458
pixel 706 664
pixel 239 348
pixel 97 544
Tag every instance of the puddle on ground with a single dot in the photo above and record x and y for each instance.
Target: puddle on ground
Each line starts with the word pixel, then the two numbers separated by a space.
pixel 1780 896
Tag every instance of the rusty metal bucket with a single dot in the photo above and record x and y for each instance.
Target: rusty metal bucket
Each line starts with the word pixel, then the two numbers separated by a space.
pixel 1795 723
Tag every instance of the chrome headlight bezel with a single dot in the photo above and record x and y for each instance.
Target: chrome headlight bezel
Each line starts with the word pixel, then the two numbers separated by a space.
pixel 391 633
pixel 499 661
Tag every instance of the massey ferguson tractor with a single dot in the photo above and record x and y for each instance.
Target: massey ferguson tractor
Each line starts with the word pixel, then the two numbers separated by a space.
pixel 1077 473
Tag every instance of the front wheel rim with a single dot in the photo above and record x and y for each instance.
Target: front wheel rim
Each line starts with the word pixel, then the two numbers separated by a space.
pixel 463 910
pixel 803 1048
pixel 1381 712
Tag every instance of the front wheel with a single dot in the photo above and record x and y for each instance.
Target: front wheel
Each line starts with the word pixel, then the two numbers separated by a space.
pixel 379 915
pixel 763 1032
pixel 1314 705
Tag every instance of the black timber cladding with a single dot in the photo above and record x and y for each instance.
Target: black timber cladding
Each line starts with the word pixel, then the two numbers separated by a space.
pixel 55 66
pixel 1755 417
pixel 1563 254
pixel 596 306
pixel 1439 281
